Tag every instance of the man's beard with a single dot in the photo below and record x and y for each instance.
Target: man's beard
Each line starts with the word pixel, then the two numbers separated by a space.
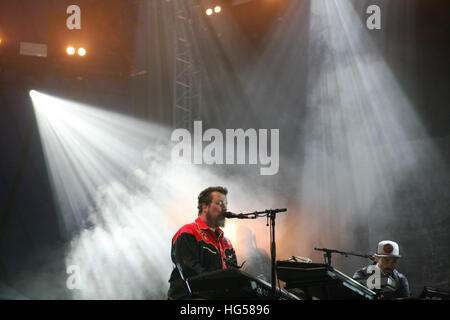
pixel 221 222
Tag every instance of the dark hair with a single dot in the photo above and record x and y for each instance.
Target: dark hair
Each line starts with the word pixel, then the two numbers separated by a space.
pixel 206 198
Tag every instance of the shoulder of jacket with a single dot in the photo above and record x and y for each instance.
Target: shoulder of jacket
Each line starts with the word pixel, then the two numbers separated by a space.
pixel 400 275
pixel 190 228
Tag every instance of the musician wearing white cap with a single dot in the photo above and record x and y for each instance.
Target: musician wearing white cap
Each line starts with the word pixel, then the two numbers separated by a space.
pixel 386 258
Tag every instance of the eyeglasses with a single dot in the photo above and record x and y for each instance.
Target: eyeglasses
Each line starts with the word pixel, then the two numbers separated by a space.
pixel 222 203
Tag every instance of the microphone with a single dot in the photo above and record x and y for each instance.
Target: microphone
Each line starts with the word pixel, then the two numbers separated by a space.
pixel 230 215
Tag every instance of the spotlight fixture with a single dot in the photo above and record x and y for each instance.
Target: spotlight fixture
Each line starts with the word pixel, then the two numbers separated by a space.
pixel 211 11
pixel 81 52
pixel 70 50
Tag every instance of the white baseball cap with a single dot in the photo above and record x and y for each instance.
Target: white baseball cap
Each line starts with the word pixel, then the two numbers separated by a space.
pixel 388 248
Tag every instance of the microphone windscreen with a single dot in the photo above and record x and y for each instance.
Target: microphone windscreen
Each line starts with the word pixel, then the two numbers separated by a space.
pixel 228 214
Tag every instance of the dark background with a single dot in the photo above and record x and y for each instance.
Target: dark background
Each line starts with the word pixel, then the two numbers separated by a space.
pixel 122 42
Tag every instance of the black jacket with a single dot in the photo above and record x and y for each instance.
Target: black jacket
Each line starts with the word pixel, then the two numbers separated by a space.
pixel 197 249
pixel 402 283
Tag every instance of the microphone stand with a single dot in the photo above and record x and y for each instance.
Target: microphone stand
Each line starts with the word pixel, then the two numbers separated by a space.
pixel 328 252
pixel 271 215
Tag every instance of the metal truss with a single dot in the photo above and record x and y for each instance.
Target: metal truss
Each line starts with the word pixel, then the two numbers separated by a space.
pixel 187 72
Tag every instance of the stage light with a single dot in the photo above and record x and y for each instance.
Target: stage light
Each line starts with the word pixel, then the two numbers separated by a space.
pixel 209 11
pixel 70 50
pixel 92 156
pixel 217 9
pixel 82 52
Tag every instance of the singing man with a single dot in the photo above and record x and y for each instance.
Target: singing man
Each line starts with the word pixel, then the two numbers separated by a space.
pixel 200 246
